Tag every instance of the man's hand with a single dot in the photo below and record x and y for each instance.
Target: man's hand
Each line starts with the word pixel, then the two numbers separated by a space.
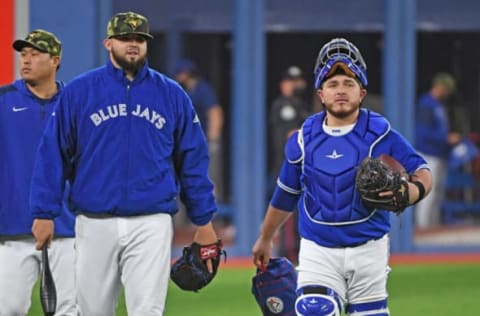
pixel 42 230
pixel 199 262
pixel 262 252
pixel 205 235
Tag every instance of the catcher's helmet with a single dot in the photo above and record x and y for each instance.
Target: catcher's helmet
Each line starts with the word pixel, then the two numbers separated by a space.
pixel 339 50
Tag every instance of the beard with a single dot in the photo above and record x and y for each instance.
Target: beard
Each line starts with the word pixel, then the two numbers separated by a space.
pixel 343 112
pixel 131 66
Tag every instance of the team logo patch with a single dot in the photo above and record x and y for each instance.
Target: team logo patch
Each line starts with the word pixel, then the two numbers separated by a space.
pixel 196 119
pixel 19 108
pixel 334 155
pixel 133 22
pixel 274 304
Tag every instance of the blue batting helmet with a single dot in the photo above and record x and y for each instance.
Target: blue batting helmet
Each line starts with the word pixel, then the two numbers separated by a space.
pixel 185 65
pixel 340 51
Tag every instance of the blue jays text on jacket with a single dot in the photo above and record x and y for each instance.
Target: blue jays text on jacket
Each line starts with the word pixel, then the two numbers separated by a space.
pixel 127 147
pixel 23 117
pixel 319 173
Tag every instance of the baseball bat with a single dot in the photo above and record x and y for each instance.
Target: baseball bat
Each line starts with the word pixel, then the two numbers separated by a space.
pixel 48 292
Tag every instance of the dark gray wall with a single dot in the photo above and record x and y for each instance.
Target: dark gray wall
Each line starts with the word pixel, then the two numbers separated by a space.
pixel 304 15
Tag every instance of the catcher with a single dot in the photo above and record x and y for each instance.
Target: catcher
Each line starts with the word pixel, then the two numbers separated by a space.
pixel 348 170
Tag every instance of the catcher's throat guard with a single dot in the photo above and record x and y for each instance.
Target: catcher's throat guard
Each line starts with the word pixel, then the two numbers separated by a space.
pixel 190 272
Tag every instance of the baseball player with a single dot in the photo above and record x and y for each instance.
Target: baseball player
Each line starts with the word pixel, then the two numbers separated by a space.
pixel 25 106
pixel 128 138
pixel 209 112
pixel 343 257
pixel 288 111
pixel 435 139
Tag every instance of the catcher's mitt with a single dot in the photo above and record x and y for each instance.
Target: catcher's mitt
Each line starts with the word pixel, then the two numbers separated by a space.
pixel 381 175
pixel 190 271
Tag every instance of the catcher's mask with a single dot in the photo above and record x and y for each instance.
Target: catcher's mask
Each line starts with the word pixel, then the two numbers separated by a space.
pixel 340 54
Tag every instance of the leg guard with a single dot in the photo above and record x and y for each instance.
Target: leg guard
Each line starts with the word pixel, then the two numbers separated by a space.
pixel 377 308
pixel 317 301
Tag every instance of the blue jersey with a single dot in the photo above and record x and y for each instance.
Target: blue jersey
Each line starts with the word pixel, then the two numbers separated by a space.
pixel 431 127
pixel 23 117
pixel 203 100
pixel 127 147
pixel 319 173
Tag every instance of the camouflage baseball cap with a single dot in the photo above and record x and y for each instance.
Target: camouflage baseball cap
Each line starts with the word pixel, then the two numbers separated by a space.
pixel 42 40
pixel 445 79
pixel 128 23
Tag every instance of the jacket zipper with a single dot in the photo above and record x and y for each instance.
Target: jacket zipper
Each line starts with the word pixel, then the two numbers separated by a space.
pixel 128 146
pixel 42 111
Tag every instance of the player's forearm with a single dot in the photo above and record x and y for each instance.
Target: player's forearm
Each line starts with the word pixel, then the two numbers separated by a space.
pixel 273 220
pixel 205 234
pixel 421 178
pixel 215 123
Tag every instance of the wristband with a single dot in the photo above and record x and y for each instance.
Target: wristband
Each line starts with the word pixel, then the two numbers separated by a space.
pixel 421 190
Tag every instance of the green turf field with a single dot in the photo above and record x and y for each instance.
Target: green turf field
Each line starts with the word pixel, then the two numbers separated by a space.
pixel 439 290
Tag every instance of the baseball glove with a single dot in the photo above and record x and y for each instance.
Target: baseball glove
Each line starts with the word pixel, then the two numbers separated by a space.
pixel 383 175
pixel 190 271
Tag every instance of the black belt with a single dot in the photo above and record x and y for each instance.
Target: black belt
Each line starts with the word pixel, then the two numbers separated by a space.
pixel 97 215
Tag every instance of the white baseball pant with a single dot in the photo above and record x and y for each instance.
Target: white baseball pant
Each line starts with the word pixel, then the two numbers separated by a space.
pixel 20 266
pixel 130 251
pixel 357 274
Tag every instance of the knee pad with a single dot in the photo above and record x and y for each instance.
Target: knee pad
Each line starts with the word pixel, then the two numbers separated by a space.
pixel 317 301
pixel 377 308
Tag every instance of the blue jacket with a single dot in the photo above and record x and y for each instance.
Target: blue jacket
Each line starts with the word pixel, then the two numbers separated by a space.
pixel 23 117
pixel 127 147
pixel 431 127
pixel 203 99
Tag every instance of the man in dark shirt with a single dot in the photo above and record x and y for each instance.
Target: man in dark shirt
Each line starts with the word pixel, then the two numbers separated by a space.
pixel 210 114
pixel 287 114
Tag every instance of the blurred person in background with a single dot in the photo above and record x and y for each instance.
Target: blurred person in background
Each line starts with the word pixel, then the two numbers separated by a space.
pixel 25 106
pixel 434 139
pixel 209 112
pixel 288 111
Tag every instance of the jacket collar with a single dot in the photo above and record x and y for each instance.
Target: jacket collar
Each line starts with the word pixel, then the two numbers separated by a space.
pixel 119 73
pixel 22 87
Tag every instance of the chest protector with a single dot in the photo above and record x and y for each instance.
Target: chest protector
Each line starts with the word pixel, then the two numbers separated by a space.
pixel 330 164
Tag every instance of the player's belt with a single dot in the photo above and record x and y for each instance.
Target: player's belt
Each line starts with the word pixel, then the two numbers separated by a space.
pixel 97 215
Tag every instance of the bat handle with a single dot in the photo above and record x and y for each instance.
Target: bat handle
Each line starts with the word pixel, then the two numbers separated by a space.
pixel 45 253
pixel 48 295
